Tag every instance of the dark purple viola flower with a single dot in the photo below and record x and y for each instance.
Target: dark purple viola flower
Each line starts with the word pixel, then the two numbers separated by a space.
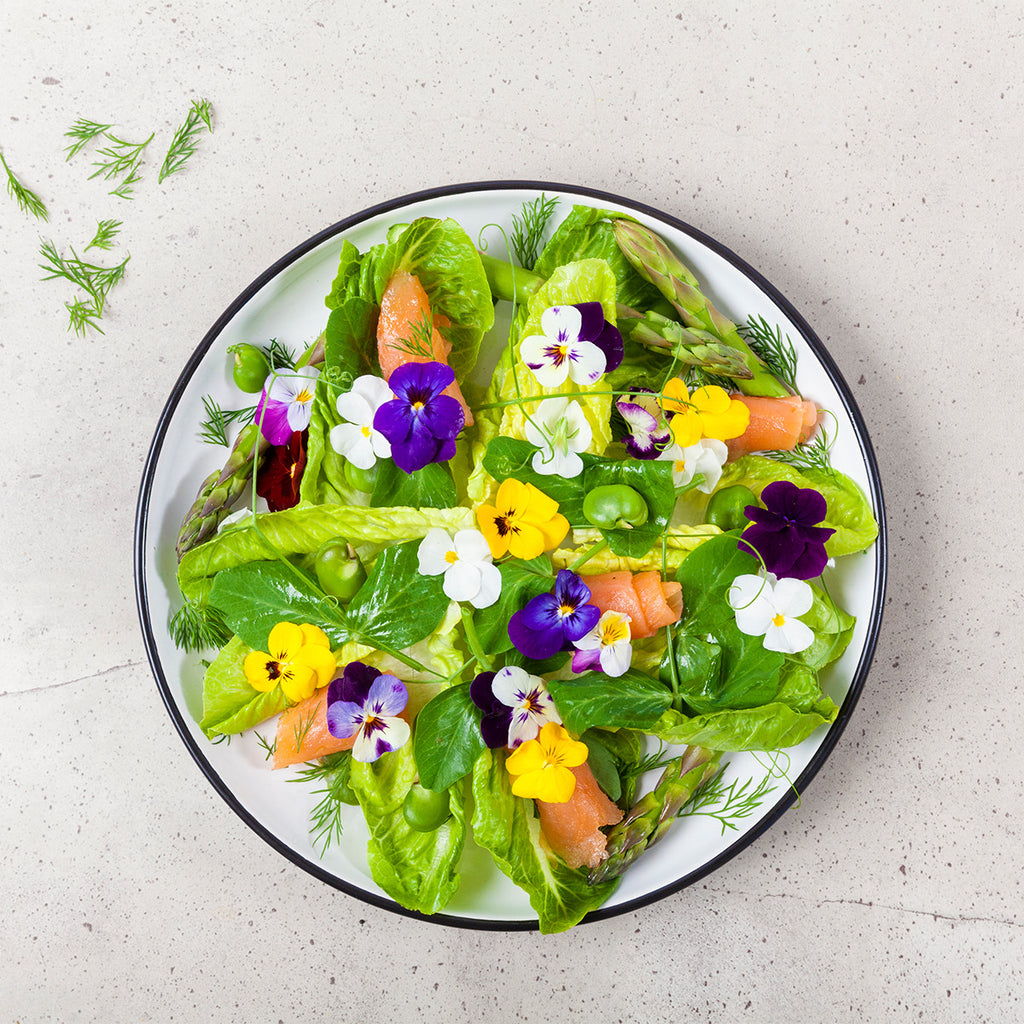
pixel 421 422
pixel 595 329
pixel 649 433
pixel 366 703
pixel 550 622
pixel 497 716
pixel 785 532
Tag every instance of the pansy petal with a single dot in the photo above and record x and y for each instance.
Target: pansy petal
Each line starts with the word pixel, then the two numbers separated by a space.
pixel 344 718
pixel 586 363
pixel 462 581
pixel 490 586
pixel 355 407
pixel 792 637
pixel 472 546
pixel 615 659
pixel 585 659
pixel 526 541
pixel 561 323
pixel 511 683
pixel 793 597
pixel 432 554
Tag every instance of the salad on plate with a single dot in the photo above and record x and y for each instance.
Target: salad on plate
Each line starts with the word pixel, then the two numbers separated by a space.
pixel 516 555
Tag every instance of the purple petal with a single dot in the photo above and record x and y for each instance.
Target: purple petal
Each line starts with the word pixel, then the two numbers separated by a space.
pixel 802 505
pixel 387 697
pixel 570 589
pixel 443 416
pixel 580 622
pixel 583 661
pixel 494 728
pixel 273 420
pixel 592 320
pixel 420 381
pixel 809 564
pixel 534 643
pixel 480 692
pixel 541 613
pixel 355 683
pixel 344 718
pixel 415 451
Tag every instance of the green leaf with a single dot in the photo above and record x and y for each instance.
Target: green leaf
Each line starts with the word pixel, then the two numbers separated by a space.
pixel 230 704
pixel 347 276
pixel 520 582
pixel 429 487
pixel 506 826
pixel 630 701
pixel 833 630
pixel 768 727
pixel 253 598
pixel 448 741
pixel 653 480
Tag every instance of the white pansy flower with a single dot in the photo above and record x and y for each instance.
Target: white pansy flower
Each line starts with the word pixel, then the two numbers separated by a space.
pixel 707 456
pixel 559 352
pixel 357 440
pixel 467 564
pixel 560 430
pixel 606 646
pixel 529 700
pixel 769 607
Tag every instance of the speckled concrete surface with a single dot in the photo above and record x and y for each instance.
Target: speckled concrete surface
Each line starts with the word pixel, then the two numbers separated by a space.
pixel 865 157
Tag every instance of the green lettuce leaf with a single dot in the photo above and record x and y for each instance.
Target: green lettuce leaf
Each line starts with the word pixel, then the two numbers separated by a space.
pixel 507 828
pixel 230 704
pixel 416 869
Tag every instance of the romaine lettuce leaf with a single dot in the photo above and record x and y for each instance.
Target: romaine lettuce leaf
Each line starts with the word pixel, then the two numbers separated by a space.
pixel 507 828
pixel 230 704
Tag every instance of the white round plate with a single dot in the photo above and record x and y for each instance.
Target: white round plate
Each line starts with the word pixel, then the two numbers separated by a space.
pixel 286 302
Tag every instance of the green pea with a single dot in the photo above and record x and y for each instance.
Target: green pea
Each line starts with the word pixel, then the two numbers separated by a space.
pixel 361 479
pixel 338 573
pixel 426 809
pixel 251 368
pixel 615 506
pixel 726 507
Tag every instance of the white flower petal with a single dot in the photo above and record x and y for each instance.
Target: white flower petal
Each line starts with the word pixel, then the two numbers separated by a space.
pixel 586 362
pixel 348 440
pixel 355 408
pixel 490 586
pixel 511 681
pixel 792 597
pixel 615 659
pixel 462 581
pixel 432 552
pixel 472 546
pixel 791 637
pixel 375 391
pixel 561 323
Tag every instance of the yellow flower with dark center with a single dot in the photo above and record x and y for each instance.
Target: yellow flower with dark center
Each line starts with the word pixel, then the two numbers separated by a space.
pixel 708 412
pixel 541 768
pixel 299 661
pixel 523 521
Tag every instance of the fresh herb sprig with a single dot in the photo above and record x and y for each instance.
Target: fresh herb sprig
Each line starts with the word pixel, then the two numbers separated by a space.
pixel 94 280
pixel 23 195
pixel 198 627
pixel 214 427
pixel 528 229
pixel 728 803
pixel 326 825
pixel 106 232
pixel 82 314
pixel 778 353
pixel 813 454
pixel 183 145
pixel 119 158
pixel 83 131
pixel 420 342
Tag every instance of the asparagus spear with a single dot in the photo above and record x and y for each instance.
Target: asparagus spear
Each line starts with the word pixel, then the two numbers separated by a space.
pixel 655 813
pixel 655 262
pixel 223 487
pixel 690 346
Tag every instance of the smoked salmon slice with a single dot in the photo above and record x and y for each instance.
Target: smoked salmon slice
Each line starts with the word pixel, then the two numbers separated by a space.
pixel 573 829
pixel 776 424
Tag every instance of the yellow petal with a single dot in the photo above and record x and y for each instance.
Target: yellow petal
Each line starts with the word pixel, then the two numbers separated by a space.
pixel 320 661
pixel 285 639
pixel 527 757
pixel 314 635
pixel 298 683
pixel 674 396
pixel 526 542
pixel 710 399
pixel 686 428
pixel 487 517
pixel 256 671
pixel 553 785
pixel 538 506
pixel 554 530
pixel 511 496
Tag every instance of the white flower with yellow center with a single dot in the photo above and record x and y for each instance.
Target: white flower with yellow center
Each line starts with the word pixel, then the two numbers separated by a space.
pixel 606 646
pixel 467 564
pixel 770 607
pixel 561 431
pixel 707 457
pixel 357 440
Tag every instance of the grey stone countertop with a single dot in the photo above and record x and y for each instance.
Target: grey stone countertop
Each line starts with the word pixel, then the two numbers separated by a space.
pixel 864 157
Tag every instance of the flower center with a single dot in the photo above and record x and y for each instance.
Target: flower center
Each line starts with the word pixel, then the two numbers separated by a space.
pixel 303 396
pixel 566 610
pixel 779 620
pixel 614 631
pixel 273 669
pixel 504 524
pixel 451 557
pixel 417 406
pixel 366 431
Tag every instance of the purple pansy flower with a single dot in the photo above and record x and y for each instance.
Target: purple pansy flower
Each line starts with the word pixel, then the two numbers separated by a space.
pixel 421 422
pixel 366 703
pixel 515 705
pixel 551 622
pixel 575 341
pixel 649 432
pixel 784 533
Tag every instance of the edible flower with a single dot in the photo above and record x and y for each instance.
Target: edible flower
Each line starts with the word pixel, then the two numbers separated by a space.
pixel 515 704
pixel 649 433
pixel 299 660
pixel 541 768
pixel 784 533
pixel 357 439
pixel 708 412
pixel 466 561
pixel 420 422
pixel 561 431
pixel 576 341
pixel 706 457
pixel 768 607
pixel 287 403
pixel 366 703
pixel 550 622
pixel 278 479
pixel 606 646
pixel 523 521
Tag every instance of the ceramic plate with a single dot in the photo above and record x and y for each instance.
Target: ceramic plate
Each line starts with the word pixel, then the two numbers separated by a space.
pixel 286 302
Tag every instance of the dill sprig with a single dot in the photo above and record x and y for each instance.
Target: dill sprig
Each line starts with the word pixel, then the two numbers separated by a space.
pixel 777 352
pixel 106 232
pixel 420 342
pixel 528 229
pixel 727 804
pixel 120 158
pixel 82 315
pixel 24 196
pixel 279 356
pixel 326 825
pixel 83 132
pixel 214 427
pixel 198 627
pixel 813 454
pixel 268 747
pixel 95 280
pixel 183 145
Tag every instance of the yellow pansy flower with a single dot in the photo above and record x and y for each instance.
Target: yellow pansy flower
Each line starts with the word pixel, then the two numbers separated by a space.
pixel 708 412
pixel 523 521
pixel 540 768
pixel 299 661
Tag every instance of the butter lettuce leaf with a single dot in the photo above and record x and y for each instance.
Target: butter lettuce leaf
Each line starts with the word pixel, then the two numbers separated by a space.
pixel 230 704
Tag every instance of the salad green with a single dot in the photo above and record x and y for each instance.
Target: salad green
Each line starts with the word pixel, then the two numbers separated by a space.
pixel 479 615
